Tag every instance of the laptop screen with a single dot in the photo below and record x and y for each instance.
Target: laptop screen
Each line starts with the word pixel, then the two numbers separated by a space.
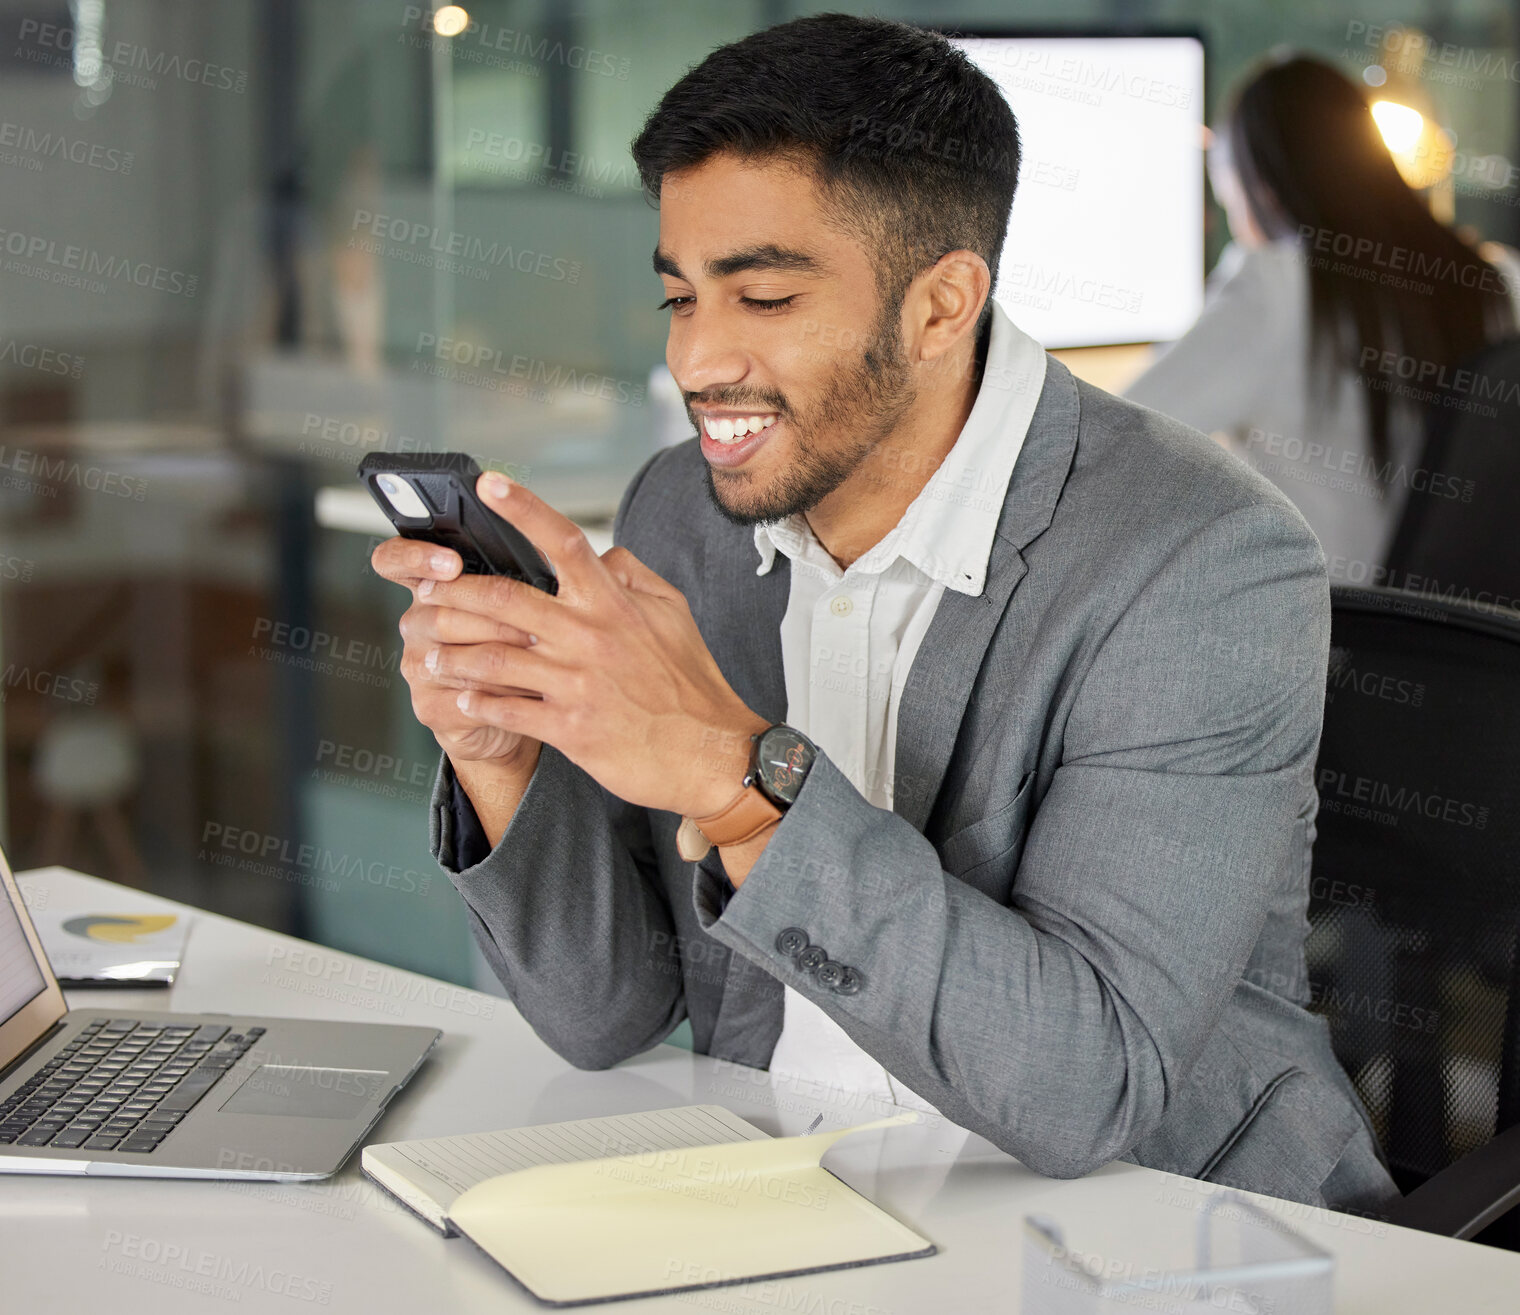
pixel 20 978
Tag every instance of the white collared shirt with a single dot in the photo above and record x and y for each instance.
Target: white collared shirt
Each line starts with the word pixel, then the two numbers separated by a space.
pixel 849 638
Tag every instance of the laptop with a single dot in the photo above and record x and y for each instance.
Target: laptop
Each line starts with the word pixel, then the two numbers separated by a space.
pixel 122 1092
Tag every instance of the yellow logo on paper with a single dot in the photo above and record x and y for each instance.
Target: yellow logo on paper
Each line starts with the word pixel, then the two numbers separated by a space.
pixel 118 928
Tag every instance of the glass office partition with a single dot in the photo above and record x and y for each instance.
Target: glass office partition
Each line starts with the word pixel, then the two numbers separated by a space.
pixel 244 244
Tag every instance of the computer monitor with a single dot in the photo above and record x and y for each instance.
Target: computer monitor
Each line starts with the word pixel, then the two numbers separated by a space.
pixel 1105 242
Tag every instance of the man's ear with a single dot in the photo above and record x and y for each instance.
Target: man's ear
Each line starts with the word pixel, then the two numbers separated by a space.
pixel 945 301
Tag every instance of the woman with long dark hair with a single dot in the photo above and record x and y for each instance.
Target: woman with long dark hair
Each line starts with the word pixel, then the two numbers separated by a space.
pixel 1337 317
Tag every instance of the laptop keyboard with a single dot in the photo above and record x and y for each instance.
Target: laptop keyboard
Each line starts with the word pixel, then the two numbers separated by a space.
pixel 120 1085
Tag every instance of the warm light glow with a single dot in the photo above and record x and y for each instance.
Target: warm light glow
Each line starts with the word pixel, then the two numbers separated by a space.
pixel 1399 125
pixel 1421 151
pixel 450 21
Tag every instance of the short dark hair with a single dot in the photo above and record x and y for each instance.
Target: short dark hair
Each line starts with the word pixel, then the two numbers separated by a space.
pixel 912 147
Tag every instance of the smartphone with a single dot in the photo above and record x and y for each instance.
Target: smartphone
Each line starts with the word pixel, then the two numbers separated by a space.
pixel 431 496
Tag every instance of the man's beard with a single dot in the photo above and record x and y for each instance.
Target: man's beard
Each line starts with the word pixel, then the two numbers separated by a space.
pixel 865 403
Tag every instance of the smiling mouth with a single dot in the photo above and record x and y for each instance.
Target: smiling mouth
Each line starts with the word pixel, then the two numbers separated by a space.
pixel 732 430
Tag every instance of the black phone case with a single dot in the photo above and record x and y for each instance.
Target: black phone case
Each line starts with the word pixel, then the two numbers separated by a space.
pixel 445 481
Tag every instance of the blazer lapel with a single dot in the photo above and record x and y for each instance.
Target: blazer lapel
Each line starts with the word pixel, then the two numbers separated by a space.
pixel 748 1015
pixel 747 648
pixel 944 669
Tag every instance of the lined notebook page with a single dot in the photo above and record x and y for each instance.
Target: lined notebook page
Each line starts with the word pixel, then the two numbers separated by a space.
pixel 429 1175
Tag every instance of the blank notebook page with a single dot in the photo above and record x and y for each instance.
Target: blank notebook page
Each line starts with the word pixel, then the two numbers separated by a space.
pixel 435 1171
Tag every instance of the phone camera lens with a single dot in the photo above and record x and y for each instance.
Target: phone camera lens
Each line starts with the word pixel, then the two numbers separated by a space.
pixel 402 497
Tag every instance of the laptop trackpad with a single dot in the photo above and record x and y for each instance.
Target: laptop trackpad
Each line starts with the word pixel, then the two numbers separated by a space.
pixel 312 1093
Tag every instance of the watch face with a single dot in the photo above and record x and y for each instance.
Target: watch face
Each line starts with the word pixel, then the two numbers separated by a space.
pixel 783 757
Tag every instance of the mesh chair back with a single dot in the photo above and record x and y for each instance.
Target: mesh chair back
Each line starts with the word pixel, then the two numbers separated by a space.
pixel 1415 891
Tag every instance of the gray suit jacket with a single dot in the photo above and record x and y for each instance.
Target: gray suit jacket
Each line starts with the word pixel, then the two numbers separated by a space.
pixel 1080 930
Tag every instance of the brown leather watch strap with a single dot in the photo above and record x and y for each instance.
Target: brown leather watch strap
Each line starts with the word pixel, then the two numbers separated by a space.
pixel 747 814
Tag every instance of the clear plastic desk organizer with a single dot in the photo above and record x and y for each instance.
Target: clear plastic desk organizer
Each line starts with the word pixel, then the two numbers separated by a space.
pixel 1248 1263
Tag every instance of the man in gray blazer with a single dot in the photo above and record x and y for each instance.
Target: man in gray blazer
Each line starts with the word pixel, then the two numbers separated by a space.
pixel 1078 927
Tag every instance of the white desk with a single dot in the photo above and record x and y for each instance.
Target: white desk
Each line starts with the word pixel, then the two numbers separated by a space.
pixel 69 1245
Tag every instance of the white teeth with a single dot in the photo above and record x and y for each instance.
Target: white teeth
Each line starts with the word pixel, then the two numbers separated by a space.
pixel 727 430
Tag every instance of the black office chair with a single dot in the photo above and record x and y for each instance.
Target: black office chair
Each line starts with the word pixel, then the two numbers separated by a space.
pixel 1457 530
pixel 1414 948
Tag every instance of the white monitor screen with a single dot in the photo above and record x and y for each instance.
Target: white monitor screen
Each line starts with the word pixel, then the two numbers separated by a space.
pixel 1105 243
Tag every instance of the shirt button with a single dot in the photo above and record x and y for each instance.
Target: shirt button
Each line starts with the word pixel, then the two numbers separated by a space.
pixel 841 606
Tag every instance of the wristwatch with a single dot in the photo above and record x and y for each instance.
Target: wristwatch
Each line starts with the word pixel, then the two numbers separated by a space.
pixel 779 759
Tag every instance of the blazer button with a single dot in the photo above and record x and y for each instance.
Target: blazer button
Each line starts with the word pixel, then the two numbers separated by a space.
pixel 830 974
pixel 792 942
pixel 850 981
pixel 812 959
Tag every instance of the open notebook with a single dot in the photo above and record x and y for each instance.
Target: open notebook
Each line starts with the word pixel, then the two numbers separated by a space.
pixel 428 1176
pixel 674 1214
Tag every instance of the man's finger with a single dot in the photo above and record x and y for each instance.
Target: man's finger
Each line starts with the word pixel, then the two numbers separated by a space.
pixel 503 665
pixel 420 678
pixel 556 536
pixel 535 718
pixel 498 597
pixel 423 624
pixel 437 706
pixel 406 561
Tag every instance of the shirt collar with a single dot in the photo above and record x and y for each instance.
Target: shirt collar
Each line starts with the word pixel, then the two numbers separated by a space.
pixel 948 530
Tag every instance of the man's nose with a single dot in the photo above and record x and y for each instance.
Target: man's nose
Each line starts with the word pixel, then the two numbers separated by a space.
pixel 706 356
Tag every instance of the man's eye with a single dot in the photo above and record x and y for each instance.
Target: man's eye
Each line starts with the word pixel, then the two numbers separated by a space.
pixel 774 304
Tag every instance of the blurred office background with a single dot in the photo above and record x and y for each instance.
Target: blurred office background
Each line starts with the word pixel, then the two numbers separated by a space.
pixel 245 243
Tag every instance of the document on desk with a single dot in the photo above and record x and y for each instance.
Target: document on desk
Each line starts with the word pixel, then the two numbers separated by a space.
pixel 113 949
pixel 429 1175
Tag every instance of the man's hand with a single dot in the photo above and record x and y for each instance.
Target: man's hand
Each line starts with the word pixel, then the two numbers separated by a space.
pixel 435 699
pixel 612 670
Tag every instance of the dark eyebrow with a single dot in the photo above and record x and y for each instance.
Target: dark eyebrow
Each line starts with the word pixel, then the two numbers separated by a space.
pixel 765 256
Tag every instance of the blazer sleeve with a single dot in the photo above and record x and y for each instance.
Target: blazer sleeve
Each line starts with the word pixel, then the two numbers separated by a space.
pixel 567 908
pixel 1058 1026
pixel 1214 377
